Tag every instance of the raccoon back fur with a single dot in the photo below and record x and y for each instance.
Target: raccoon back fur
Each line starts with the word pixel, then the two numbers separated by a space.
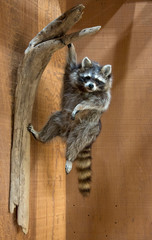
pixel 86 95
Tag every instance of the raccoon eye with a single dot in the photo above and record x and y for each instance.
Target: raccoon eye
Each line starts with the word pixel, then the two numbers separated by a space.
pixel 99 82
pixel 87 77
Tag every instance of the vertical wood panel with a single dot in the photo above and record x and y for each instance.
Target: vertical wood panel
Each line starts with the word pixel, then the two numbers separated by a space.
pixel 120 205
pixel 20 21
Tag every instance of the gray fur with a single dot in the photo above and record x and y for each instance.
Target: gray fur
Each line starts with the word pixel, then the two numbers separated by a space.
pixel 82 105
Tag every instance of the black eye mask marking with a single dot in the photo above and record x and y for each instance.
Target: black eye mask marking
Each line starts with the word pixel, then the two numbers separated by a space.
pixel 87 77
pixel 84 79
pixel 99 82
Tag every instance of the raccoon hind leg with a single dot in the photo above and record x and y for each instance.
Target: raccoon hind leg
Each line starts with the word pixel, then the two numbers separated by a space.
pixel 80 138
pixel 50 130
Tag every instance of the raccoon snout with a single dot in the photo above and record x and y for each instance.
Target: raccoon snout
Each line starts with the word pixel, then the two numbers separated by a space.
pixel 90 85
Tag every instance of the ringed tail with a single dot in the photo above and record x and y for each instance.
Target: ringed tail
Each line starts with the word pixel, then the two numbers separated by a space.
pixel 83 165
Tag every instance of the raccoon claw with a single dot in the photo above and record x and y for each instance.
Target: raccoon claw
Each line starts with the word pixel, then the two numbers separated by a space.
pixel 68 167
pixel 31 130
pixel 69 45
pixel 73 115
pixel 30 127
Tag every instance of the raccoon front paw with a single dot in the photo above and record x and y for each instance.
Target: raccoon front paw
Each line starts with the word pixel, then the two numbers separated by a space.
pixel 68 166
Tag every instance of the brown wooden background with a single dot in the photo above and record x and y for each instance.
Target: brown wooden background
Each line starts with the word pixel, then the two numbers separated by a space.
pixel 120 205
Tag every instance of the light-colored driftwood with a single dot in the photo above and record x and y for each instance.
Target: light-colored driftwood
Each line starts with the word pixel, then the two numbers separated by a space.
pixel 35 59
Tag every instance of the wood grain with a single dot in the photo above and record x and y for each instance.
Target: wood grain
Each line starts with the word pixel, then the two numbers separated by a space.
pixel 120 205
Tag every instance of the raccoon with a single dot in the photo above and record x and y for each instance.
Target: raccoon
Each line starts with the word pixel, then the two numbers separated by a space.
pixel 85 96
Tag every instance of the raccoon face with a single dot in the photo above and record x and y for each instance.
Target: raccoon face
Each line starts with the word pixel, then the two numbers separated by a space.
pixel 90 76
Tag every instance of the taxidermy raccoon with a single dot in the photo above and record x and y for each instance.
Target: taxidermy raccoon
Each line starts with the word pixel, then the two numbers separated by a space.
pixel 86 95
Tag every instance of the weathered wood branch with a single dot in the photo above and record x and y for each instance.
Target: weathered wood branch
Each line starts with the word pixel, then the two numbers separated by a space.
pixel 35 59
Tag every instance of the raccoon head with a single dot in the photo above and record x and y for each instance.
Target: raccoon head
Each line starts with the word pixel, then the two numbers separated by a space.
pixel 89 76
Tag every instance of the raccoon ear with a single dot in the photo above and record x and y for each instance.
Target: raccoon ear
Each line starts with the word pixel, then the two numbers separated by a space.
pixel 86 63
pixel 106 70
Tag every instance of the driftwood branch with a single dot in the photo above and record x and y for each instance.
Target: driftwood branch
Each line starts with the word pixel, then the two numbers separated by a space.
pixel 35 59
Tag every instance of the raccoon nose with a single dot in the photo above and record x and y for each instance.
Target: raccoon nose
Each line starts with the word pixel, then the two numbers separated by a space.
pixel 91 85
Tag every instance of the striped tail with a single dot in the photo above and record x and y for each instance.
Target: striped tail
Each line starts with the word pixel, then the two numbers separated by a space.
pixel 83 162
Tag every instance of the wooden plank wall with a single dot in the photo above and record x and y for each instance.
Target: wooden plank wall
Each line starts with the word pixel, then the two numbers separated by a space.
pixel 120 205
pixel 20 21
